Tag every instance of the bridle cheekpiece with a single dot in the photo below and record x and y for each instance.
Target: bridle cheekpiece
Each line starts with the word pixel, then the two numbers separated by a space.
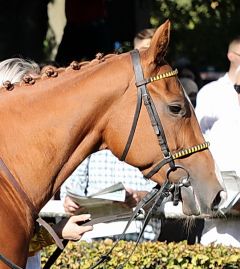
pixel 144 95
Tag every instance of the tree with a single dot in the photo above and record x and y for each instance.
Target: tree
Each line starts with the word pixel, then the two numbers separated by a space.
pixel 201 29
pixel 24 26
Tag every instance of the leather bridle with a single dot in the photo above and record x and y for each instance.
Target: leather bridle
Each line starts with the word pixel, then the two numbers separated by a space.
pixel 157 195
pixel 144 95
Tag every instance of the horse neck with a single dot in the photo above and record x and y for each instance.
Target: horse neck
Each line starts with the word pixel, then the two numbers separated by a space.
pixel 58 123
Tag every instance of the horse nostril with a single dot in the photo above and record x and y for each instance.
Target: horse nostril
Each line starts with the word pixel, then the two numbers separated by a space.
pixel 219 200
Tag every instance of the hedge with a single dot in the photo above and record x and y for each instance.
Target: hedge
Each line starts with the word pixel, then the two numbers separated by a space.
pixel 147 255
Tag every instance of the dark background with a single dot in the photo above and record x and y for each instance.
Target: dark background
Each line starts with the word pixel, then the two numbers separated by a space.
pixel 201 29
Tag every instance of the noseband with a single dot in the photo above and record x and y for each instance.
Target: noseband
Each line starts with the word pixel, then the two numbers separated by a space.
pixel 143 95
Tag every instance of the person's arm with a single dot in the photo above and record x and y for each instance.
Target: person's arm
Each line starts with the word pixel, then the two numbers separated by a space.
pixel 68 228
pixel 205 109
pixel 71 229
pixel 70 206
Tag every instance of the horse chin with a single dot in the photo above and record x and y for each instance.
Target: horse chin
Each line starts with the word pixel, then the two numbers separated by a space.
pixel 189 202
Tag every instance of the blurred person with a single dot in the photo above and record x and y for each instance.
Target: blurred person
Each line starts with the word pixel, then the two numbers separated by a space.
pixel 187 69
pixel 13 70
pixel 190 87
pixel 101 170
pixel 143 38
pixel 218 112
pixel 189 78
pixel 217 97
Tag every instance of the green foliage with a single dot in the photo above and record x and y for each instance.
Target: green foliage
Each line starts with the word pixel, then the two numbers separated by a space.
pixel 148 255
pixel 202 29
pixel 49 44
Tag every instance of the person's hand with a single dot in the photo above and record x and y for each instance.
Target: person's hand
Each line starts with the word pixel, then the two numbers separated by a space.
pixel 71 229
pixel 133 197
pixel 70 206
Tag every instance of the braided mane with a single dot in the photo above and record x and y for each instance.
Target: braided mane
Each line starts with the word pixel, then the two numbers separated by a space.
pixel 50 71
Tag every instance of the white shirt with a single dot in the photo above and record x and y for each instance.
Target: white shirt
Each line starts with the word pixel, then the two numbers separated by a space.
pixel 224 141
pixel 218 113
pixel 221 231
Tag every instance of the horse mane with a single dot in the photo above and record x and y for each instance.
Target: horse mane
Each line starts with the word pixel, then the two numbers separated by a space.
pixel 51 71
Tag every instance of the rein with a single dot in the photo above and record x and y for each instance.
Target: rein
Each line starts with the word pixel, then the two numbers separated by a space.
pixel 34 214
pixel 155 198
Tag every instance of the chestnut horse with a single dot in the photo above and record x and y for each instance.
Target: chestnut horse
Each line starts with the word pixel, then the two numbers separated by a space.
pixel 49 127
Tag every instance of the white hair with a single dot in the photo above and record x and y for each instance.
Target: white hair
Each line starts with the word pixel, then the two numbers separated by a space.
pixel 14 69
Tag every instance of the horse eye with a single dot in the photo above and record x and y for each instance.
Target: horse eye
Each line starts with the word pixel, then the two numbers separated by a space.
pixel 175 109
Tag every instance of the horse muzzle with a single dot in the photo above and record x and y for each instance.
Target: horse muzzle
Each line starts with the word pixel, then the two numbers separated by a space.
pixel 195 203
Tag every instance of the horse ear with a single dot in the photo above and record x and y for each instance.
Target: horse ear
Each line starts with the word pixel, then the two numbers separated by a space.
pixel 159 43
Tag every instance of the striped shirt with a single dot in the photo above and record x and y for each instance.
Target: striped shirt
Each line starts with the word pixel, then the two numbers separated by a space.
pixel 102 169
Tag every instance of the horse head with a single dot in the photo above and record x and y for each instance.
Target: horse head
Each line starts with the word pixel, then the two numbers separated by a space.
pixel 162 137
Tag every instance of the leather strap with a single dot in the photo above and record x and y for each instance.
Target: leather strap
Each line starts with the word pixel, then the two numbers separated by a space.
pixel 5 172
pixel 154 198
pixel 51 232
pixel 9 263
pixel 162 193
pixel 9 176
pixel 134 125
pixel 148 102
pixel 142 93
